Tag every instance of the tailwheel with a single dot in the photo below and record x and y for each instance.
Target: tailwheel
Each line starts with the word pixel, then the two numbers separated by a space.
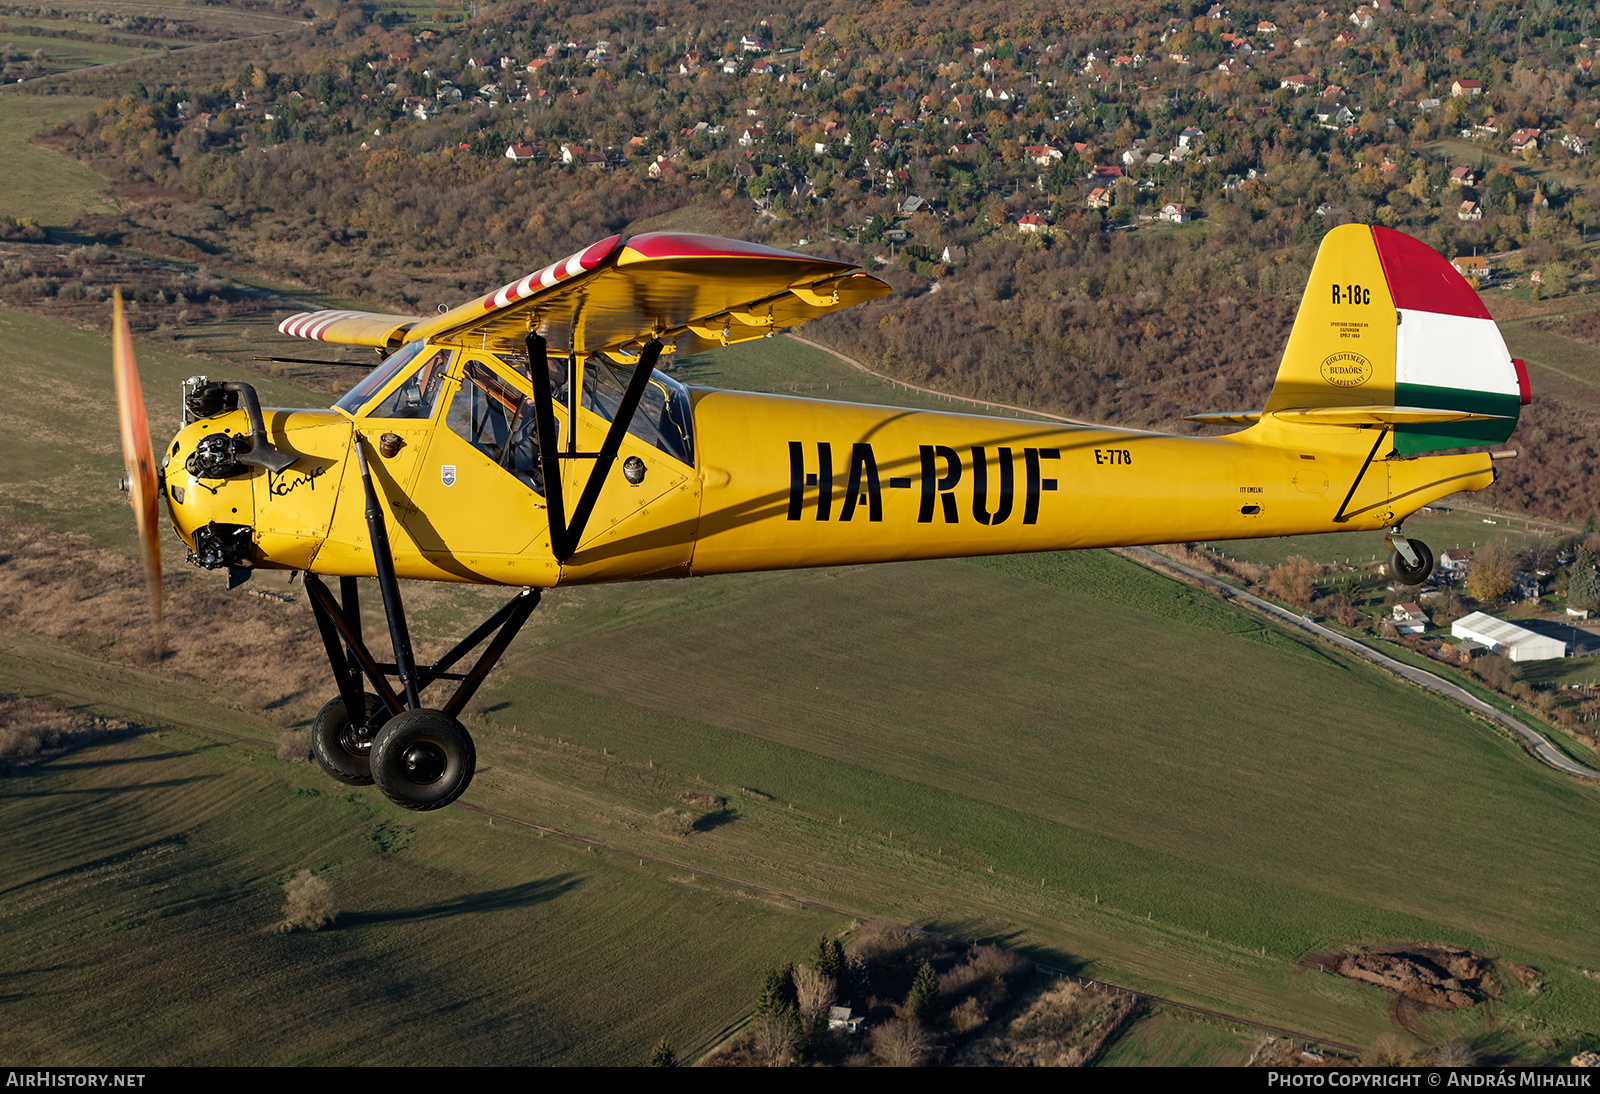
pixel 343 745
pixel 423 759
pixel 1412 571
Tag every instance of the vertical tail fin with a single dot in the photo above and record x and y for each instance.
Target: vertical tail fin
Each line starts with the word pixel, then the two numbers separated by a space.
pixel 1386 323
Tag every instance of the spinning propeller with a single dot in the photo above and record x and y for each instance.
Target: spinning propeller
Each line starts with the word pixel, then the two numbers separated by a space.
pixel 138 456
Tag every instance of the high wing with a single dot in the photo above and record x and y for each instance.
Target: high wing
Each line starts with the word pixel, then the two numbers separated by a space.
pixel 691 292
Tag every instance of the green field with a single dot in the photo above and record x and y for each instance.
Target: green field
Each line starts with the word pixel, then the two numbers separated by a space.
pixel 144 882
pixel 43 186
pixel 1170 1038
pixel 64 53
pixel 1066 753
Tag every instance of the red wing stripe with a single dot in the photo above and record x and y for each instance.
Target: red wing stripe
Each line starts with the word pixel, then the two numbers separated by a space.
pixel 585 260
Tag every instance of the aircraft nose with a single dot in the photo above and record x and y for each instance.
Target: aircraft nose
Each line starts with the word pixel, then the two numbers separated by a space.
pixel 202 505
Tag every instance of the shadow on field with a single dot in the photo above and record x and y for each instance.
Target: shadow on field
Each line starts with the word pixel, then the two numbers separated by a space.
pixel 121 761
pixel 8 980
pixel 495 900
pixel 105 791
pixel 712 821
pixel 978 934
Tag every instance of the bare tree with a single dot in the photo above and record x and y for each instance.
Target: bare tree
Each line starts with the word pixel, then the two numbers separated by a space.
pixel 816 994
pixel 776 1034
pixel 900 1043
pixel 309 905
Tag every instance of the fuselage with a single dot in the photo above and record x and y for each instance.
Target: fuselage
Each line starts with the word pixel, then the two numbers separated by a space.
pixel 774 482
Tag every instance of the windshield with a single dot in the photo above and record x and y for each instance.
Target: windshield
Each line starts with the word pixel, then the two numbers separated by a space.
pixel 373 381
pixel 663 418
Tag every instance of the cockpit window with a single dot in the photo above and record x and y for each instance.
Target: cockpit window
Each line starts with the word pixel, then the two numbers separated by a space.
pixel 497 418
pixel 415 397
pixel 663 418
pixel 374 381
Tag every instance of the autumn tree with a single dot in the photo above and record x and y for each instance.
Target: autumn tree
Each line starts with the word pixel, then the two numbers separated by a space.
pixel 1490 576
pixel 1295 582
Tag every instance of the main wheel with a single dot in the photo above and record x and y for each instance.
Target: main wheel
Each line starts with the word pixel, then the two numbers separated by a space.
pixel 423 759
pixel 343 746
pixel 1412 575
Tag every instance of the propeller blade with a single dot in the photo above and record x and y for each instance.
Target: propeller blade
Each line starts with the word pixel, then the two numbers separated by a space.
pixel 138 456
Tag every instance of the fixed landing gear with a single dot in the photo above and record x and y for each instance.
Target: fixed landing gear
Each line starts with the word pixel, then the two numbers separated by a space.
pixel 420 757
pixel 1410 560
pixel 343 745
pixel 423 759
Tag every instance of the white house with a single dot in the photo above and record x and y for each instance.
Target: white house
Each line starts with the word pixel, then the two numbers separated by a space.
pixel 1410 619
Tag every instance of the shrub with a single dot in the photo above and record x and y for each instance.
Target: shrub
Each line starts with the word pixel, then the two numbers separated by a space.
pixel 292 748
pixel 900 1043
pixel 674 822
pixel 309 903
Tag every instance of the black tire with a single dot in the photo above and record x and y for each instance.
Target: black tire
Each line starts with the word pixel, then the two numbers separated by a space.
pixel 423 759
pixel 341 749
pixel 1412 575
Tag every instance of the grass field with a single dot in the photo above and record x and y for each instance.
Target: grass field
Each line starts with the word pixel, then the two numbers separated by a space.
pixel 146 893
pixel 1065 753
pixel 43 186
pixel 1169 1038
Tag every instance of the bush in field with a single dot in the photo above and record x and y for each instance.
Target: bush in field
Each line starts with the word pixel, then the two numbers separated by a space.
pixel 1453 1054
pixel 1392 1050
pixel 662 1055
pixel 674 822
pixel 309 903
pixel 292 748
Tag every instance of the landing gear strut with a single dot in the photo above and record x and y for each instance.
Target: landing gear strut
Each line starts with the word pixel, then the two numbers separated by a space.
pixel 420 757
pixel 1410 560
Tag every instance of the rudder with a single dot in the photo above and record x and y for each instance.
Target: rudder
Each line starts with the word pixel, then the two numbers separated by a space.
pixel 1389 332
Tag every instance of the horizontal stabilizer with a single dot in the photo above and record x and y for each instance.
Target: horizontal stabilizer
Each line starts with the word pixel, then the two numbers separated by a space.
pixel 1384 415
pixel 1360 416
pixel 1237 417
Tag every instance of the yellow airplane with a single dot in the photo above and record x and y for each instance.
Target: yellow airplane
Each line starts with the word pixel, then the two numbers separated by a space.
pixel 526 439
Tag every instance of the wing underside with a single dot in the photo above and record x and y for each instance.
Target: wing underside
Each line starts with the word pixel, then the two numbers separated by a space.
pixel 691 292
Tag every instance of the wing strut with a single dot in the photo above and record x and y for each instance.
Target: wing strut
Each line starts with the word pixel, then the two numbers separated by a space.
pixel 564 533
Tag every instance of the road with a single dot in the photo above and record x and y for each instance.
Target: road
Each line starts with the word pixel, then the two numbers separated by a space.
pixel 1537 742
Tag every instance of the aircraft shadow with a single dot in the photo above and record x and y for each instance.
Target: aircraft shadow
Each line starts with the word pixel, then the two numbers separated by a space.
pixel 524 895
